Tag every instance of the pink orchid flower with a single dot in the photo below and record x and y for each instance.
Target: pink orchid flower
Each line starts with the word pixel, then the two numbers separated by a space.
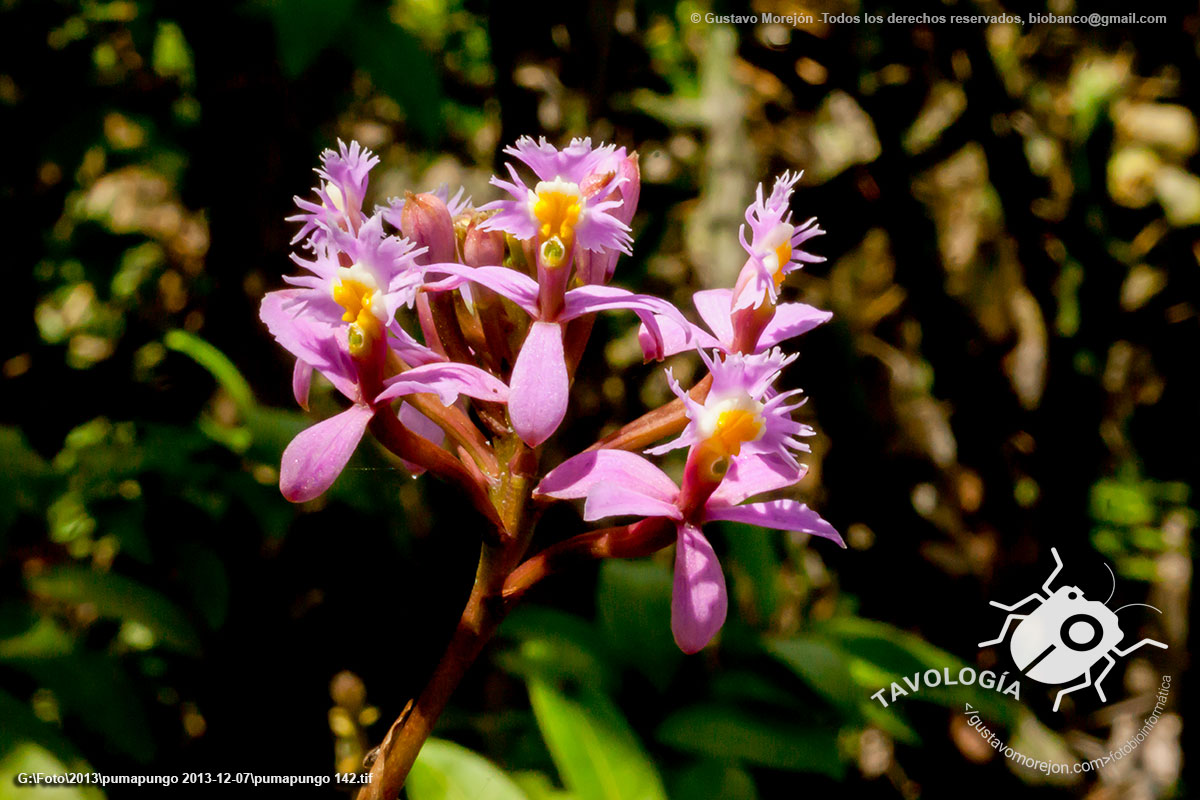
pixel 619 483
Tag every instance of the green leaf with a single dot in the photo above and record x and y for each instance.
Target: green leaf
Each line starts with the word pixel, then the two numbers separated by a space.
pixel 880 654
pixel 830 672
pixel 891 648
pixel 29 745
pixel 97 689
pixel 41 638
pixel 399 67
pixel 742 686
pixel 755 565
pixel 596 752
pixel 535 622
pixel 557 659
pixel 27 758
pixel 892 722
pixel 24 476
pixel 538 786
pixel 206 579
pixel 823 666
pixel 555 645
pixel 714 780
pixel 303 28
pixel 1121 503
pixel 171 56
pixel 93 686
pixel 271 430
pixel 216 362
pixel 126 520
pixel 728 734
pixel 633 603
pixel 120 598
pixel 447 771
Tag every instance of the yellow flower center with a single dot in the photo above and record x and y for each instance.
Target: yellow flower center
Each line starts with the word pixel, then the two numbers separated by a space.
pixel 557 206
pixel 734 425
pixel 783 254
pixel 356 291
pixel 778 251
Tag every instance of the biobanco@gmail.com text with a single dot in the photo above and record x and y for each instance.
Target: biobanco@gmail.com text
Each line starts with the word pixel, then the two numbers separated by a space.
pixel 825 18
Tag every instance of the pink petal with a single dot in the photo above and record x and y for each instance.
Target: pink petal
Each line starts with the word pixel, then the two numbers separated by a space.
pixel 572 162
pixel 631 189
pixel 520 288
pixel 589 299
pixel 675 338
pixel 305 335
pixel 598 230
pixel 315 458
pixel 301 382
pixel 784 515
pixel 698 600
pixel 791 319
pixel 751 475
pixel 447 380
pixel 409 349
pixel 539 385
pixel 512 216
pixel 617 500
pixel 716 309
pixel 576 476
pixel 422 426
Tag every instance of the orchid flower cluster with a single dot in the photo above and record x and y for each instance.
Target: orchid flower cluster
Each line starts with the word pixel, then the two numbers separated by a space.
pixel 454 332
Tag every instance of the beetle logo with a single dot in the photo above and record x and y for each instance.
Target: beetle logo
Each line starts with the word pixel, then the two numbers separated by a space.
pixel 1066 635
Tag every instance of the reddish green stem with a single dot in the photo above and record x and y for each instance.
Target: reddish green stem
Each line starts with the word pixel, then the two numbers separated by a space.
pixel 658 424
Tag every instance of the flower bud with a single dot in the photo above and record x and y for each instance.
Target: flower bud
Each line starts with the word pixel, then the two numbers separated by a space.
pixel 593 182
pixel 627 192
pixel 598 267
pixel 752 310
pixel 483 248
pixel 426 221
pixel 631 189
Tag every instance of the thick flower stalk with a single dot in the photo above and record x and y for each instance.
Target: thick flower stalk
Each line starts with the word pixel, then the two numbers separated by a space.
pixel 454 332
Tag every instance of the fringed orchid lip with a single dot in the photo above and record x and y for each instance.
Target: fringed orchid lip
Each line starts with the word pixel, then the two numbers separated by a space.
pixel 742 409
pixel 773 245
pixel 576 200
pixel 343 173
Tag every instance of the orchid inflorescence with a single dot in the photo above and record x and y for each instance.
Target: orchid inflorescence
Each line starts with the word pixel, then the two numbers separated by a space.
pixel 503 297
